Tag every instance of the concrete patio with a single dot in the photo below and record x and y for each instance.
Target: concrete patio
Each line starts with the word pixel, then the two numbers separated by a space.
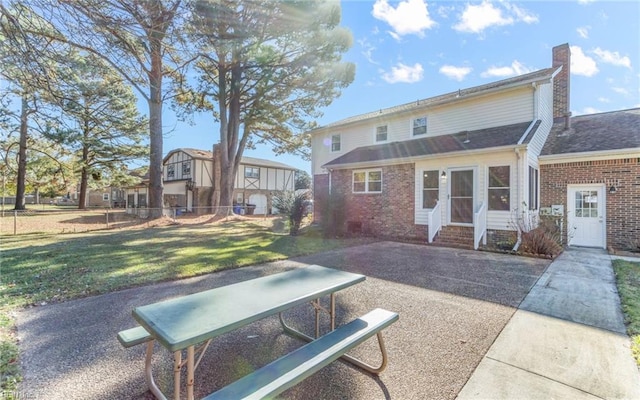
pixel 453 304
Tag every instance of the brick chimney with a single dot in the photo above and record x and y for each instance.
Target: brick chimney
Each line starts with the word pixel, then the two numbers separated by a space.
pixel 561 82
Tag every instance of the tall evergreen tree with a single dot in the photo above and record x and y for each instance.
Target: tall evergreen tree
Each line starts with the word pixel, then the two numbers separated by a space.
pixel 102 124
pixel 265 69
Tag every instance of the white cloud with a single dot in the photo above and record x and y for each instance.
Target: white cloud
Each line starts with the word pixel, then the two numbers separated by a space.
pixel 516 68
pixel 477 18
pixel 584 2
pixel 620 90
pixel 402 73
pixel 453 72
pixel 581 64
pixel 612 57
pixel 409 17
pixel 604 100
pixel 590 110
pixel 521 14
pixel 367 50
pixel 583 31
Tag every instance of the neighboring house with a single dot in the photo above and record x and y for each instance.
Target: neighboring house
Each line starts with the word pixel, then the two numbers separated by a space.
pixel 189 177
pixel 110 197
pixel 460 169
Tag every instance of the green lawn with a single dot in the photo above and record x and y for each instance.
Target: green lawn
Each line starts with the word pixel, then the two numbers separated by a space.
pixel 628 281
pixel 39 269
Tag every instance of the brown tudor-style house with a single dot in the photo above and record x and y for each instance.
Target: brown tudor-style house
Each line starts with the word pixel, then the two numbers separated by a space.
pixel 464 168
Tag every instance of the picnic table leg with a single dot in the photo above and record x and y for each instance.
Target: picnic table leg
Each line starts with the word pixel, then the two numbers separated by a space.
pixel 177 368
pixel 190 371
pixel 347 358
pixel 148 373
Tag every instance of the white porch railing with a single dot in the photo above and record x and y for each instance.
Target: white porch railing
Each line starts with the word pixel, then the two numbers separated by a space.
pixel 435 222
pixel 480 226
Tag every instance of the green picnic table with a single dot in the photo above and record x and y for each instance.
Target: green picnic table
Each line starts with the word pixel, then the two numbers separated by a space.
pixel 191 322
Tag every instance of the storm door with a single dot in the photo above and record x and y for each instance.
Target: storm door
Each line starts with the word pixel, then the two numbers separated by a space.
pixel 461 197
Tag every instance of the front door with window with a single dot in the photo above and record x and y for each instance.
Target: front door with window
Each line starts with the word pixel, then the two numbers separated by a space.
pixel 586 216
pixel 461 197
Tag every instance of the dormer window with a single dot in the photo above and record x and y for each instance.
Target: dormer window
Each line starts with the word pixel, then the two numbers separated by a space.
pixel 419 126
pixel 381 133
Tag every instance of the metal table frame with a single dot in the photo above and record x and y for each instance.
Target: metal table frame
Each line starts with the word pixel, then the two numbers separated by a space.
pixel 284 290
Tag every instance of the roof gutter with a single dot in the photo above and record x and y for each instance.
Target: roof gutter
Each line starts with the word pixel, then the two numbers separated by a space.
pixel 588 156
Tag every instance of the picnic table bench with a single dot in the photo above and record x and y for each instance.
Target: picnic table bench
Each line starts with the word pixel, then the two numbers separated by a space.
pixel 191 322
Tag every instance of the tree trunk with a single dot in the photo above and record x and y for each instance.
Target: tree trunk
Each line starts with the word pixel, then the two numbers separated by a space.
pixel 155 129
pixel 84 177
pixel 82 198
pixel 22 157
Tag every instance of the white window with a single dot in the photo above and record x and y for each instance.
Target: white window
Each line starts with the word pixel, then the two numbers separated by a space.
pixel 419 126
pixel 430 189
pixel 369 181
pixel 252 172
pixel 335 142
pixel 381 133
pixel 171 171
pixel 499 190
pixel 105 196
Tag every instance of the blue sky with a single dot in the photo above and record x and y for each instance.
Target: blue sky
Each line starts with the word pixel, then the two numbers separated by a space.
pixel 416 49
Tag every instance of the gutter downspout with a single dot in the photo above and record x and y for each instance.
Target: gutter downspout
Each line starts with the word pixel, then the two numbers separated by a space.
pixel 519 241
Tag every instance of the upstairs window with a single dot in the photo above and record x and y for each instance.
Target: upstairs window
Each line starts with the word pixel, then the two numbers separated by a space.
pixel 499 190
pixel 430 189
pixel 419 126
pixel 335 142
pixel 381 133
pixel 252 172
pixel 105 196
pixel 171 171
pixel 186 168
pixel 367 181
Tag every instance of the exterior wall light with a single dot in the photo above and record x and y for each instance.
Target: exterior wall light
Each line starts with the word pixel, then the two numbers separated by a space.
pixel 612 189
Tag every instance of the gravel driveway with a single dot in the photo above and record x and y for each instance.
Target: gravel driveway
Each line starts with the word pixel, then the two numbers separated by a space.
pixel 452 305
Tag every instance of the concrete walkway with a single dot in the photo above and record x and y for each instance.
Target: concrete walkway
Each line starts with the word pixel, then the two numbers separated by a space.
pixel 566 341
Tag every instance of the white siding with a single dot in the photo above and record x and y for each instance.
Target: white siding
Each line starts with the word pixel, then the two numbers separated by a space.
pixel 482 112
pixel 480 163
pixel 487 111
pixel 544 100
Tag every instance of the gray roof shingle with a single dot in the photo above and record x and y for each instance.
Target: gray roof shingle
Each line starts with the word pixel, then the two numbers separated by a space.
pixel 616 130
pixel 507 135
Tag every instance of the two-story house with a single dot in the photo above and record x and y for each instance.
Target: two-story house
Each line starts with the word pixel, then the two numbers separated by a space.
pixel 189 176
pixel 459 168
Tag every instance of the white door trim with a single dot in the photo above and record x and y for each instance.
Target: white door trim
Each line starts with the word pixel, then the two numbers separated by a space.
pixel 572 225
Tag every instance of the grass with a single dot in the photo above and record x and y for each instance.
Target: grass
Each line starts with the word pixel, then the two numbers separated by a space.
pixel 39 269
pixel 628 282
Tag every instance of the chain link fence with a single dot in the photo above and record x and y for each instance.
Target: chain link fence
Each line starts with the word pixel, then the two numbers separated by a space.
pixel 45 219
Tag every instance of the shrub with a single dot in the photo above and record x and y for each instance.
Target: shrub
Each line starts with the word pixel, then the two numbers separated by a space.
pixel 540 235
pixel 292 205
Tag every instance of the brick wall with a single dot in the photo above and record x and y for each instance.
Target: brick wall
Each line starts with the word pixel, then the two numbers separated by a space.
pixel 320 194
pixel 622 207
pixel 561 56
pixel 387 214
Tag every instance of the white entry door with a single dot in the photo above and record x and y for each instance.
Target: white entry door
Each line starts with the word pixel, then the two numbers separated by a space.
pixel 586 216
